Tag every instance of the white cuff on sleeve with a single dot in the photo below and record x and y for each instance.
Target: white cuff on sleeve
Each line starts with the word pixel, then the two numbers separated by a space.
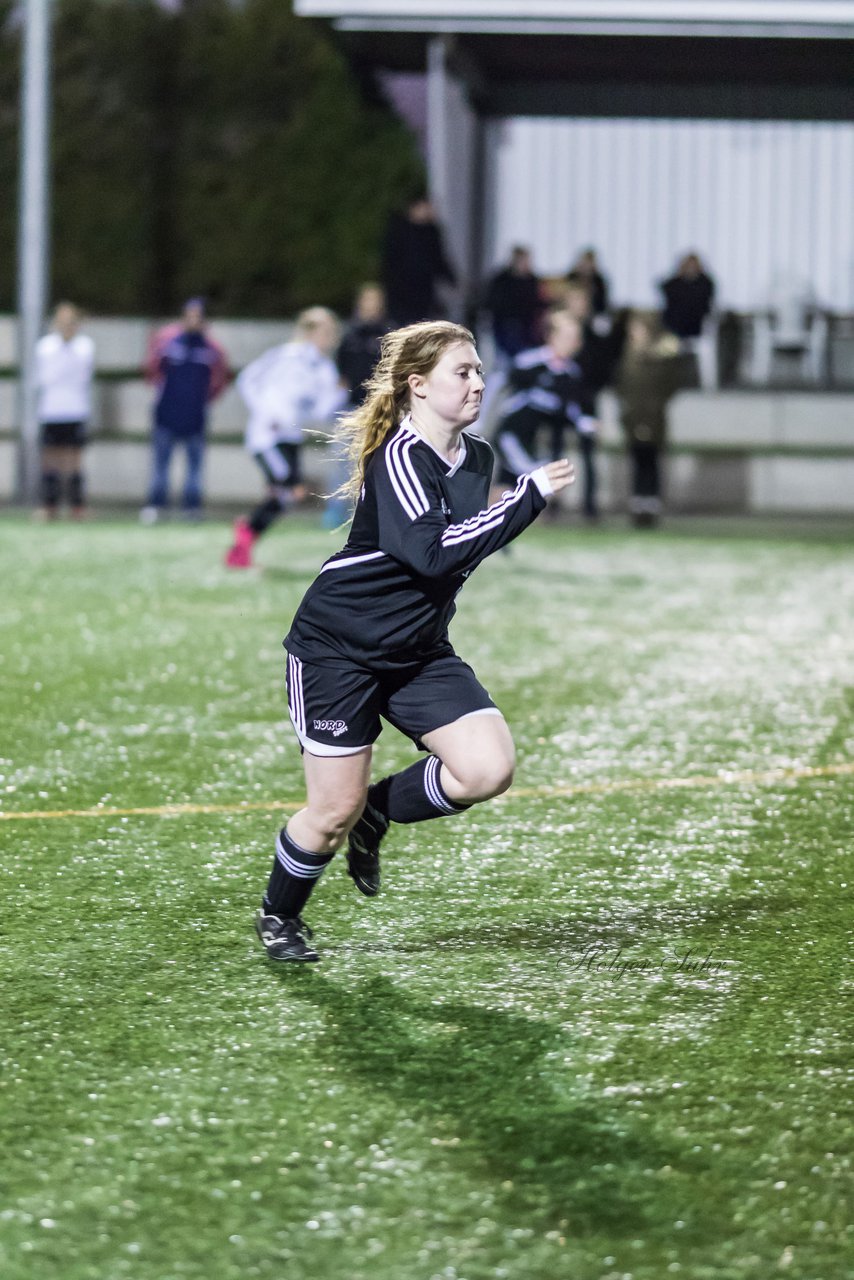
pixel 542 482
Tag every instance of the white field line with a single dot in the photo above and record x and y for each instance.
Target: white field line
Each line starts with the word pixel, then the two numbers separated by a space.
pixel 725 778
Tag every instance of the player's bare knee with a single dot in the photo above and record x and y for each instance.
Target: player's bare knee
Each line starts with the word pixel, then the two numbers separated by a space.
pixel 499 778
pixel 483 779
pixel 336 818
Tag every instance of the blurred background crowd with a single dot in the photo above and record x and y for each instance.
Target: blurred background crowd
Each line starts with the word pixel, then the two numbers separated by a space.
pixel 240 167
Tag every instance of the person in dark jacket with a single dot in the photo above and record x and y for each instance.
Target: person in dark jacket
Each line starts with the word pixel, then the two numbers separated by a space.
pixel 515 303
pixel 688 298
pixel 603 337
pixel 357 358
pixel 585 271
pixel 414 261
pixel 647 377
pixel 189 370
pixel 360 346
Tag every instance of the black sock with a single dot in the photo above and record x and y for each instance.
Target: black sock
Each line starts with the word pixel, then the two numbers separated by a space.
pixel 264 515
pixel 74 489
pixel 50 489
pixel 295 873
pixel 415 794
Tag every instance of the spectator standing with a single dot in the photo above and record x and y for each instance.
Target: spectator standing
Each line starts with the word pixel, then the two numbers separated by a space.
pixel 357 357
pixel 647 377
pixel 546 387
pixel 585 271
pixel 602 338
pixel 65 364
pixel 360 346
pixel 286 388
pixel 414 261
pixel 688 298
pixel 514 301
pixel 189 370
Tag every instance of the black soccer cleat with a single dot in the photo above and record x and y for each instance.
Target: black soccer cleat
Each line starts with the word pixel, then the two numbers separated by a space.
pixel 285 939
pixel 363 850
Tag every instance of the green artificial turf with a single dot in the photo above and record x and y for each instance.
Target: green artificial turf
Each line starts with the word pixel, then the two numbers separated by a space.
pixel 599 1029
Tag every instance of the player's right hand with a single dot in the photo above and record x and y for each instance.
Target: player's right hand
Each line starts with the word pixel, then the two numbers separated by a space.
pixel 561 474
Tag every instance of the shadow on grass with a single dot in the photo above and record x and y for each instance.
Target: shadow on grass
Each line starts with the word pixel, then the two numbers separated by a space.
pixel 658 924
pixel 498 1088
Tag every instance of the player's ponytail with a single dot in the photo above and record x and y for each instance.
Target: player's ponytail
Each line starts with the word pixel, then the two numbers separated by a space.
pixel 415 349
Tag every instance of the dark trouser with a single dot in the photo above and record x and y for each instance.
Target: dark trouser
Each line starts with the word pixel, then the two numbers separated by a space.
pixel 646 471
pixel 587 449
pixel 51 486
pixel 164 441
pixel 265 513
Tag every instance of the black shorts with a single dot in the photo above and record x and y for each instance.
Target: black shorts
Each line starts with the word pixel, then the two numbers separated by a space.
pixel 281 464
pixel 336 711
pixel 65 434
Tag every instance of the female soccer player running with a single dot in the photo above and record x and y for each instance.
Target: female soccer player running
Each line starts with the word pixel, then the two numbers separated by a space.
pixel 370 637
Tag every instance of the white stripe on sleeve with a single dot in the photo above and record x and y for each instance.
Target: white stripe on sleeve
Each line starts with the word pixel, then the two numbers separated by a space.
pixel 410 495
pixel 340 564
pixel 491 518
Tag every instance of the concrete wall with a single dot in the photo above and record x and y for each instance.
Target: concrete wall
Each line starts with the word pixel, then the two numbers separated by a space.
pixel 741 451
pixel 120 342
pixel 730 452
pixel 762 452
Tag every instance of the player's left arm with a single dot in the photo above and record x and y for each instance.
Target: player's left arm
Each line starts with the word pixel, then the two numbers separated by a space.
pixel 414 526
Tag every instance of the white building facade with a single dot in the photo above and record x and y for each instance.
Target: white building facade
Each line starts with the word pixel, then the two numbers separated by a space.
pixel 707 136
pixel 762 202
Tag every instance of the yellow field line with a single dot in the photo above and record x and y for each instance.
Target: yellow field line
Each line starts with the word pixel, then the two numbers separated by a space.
pixel 723 779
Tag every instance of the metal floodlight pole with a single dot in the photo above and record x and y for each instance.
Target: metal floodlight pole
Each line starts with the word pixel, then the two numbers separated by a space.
pixel 32 231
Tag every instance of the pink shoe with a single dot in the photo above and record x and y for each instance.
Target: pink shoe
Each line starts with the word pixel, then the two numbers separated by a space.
pixel 239 556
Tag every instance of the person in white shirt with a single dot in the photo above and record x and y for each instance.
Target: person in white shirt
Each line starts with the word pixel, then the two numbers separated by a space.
pixel 284 390
pixel 65 364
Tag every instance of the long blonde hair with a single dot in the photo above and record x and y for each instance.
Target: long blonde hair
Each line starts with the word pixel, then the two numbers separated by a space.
pixel 416 349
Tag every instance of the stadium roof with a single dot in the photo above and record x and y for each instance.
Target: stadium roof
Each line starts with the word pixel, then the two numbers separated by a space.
pixel 768 59
pixel 759 18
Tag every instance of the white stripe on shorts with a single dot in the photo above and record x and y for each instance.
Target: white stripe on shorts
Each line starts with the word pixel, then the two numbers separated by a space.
pixel 296 703
pixel 296 710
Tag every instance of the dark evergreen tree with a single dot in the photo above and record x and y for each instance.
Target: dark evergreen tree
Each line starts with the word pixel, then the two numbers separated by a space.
pixel 104 143
pixel 286 173
pixel 219 148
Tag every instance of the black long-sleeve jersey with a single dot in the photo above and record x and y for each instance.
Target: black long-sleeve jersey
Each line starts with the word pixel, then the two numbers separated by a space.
pixel 543 390
pixel 420 527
